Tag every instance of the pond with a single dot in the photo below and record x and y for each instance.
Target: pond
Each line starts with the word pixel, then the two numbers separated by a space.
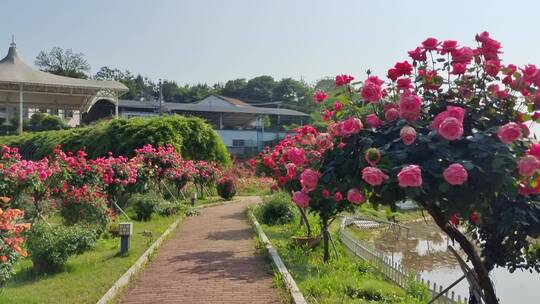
pixel 425 252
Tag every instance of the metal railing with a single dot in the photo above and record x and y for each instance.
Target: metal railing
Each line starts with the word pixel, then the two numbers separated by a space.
pixel 392 270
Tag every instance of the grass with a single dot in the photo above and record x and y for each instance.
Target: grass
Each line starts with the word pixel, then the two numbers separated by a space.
pixel 342 280
pixel 88 276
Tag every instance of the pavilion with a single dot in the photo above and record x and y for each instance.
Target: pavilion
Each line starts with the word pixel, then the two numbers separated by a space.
pixel 22 85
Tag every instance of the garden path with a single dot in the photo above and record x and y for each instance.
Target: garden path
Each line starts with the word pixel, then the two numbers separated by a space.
pixel 210 259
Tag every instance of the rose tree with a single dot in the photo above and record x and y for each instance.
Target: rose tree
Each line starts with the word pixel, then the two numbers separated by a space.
pixel 447 131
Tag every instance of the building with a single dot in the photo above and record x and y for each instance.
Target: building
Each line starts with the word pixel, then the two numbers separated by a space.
pixel 240 125
pixel 25 90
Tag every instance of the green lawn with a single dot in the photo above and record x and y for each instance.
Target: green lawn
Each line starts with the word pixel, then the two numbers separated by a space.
pixel 88 276
pixel 342 280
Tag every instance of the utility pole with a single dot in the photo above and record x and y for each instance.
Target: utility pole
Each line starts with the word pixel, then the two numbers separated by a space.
pixel 160 97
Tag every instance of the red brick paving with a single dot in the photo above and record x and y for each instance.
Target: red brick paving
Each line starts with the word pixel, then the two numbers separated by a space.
pixel 211 259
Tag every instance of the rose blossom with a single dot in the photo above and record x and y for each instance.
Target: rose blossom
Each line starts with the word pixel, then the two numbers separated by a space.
pixel 350 126
pixel 320 96
pixel 392 74
pixel 458 68
pixel 324 141
pixel 404 83
pixel 309 180
pixel 448 46
pixel 528 165
pixel 391 114
pixel 509 132
pixel 355 196
pixel 297 156
pixel 301 199
pixel 371 91
pixel 373 121
pixel 430 44
pixel 418 54
pixel 343 79
pixel 291 170
pixel 372 156
pixel 450 129
pixel 408 135
pixel 492 67
pixel 410 176
pixel 325 193
pixel 409 106
pixel 403 68
pixel 455 174
pixel 338 106
pixel 373 176
pixel 338 196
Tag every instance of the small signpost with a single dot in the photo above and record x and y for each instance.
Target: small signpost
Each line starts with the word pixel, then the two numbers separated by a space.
pixel 126 230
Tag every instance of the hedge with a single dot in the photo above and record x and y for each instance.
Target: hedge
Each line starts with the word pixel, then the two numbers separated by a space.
pixel 191 136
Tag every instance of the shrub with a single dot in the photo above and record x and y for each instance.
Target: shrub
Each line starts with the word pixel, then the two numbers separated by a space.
pixel 10 241
pixel 146 204
pixel 50 246
pixel 190 136
pixel 84 205
pixel 226 187
pixel 277 209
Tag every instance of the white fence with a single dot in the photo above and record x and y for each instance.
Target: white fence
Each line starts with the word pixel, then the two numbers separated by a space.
pixel 392 270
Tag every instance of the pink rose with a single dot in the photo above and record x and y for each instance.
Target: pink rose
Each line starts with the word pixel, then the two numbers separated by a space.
pixel 338 197
pixel 320 96
pixel 297 156
pixel 325 194
pixel 450 129
pixel 430 44
pixel 404 83
pixel 373 121
pixel 301 199
pixel 448 46
pixel 409 106
pixel 324 141
pixel 355 196
pixel 410 176
pixel 338 106
pixel 343 79
pixel 451 111
pixel 403 68
pixel 372 156
pixel 528 165
pixel 408 135
pixel 309 180
pixel 291 170
pixel 455 174
pixel 373 176
pixel 350 126
pixel 459 68
pixel 418 54
pixel 391 114
pixel 371 92
pixel 509 132
pixel 492 67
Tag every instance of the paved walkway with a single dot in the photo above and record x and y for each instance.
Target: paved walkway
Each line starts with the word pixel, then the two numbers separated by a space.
pixel 209 260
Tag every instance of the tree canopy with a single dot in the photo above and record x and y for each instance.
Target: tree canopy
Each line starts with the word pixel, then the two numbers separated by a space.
pixel 63 62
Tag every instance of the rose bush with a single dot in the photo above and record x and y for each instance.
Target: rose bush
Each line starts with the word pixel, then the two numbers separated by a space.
pixel 454 139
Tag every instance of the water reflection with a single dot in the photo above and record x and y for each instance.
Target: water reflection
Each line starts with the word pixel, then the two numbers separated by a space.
pixel 425 252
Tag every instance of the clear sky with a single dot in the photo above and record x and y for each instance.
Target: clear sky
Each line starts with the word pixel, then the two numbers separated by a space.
pixel 212 40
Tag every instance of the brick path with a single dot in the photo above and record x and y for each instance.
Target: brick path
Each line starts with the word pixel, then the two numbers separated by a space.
pixel 209 260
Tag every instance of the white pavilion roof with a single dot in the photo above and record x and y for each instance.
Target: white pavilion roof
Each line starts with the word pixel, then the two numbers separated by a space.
pixel 42 89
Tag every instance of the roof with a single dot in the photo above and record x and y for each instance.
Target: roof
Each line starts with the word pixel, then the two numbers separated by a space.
pixel 125 103
pixel 14 70
pixel 234 101
pixel 195 107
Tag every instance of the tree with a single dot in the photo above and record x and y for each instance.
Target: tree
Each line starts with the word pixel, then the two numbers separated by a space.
pixel 294 94
pixel 324 85
pixel 259 88
pixel 456 144
pixel 106 73
pixel 234 88
pixel 63 62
